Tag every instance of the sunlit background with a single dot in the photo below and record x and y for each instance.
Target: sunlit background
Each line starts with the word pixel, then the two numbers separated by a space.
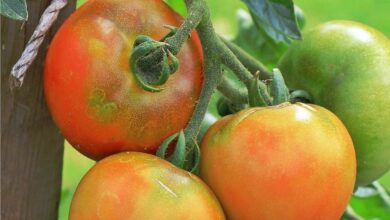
pixel 375 13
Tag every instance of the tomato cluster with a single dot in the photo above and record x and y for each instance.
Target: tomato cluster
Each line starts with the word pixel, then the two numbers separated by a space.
pixel 289 161
pixel 345 66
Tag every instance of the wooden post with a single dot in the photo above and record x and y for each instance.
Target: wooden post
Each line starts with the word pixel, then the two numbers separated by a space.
pixel 31 145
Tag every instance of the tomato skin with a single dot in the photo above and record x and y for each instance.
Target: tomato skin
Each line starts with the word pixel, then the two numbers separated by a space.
pixel 134 185
pixel 291 161
pixel 91 93
pixel 345 66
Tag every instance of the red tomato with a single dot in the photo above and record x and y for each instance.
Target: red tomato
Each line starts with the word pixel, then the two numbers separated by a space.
pixel 136 185
pixel 93 96
pixel 292 161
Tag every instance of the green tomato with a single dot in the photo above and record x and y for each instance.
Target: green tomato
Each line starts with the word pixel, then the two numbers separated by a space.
pixel 345 66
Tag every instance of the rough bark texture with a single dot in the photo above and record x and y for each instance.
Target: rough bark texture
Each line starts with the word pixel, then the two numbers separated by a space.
pixel 31 145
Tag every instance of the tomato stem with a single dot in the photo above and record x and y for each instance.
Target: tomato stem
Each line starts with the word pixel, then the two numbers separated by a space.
pixel 212 73
pixel 230 60
pixel 247 60
pixel 183 32
pixel 232 92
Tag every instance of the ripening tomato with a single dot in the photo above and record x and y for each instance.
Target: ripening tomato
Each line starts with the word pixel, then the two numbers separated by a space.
pixel 91 92
pixel 345 66
pixel 291 161
pixel 134 185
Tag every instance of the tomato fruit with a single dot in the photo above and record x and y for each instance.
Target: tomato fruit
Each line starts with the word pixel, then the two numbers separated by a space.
pixel 345 67
pixel 290 161
pixel 134 185
pixel 91 92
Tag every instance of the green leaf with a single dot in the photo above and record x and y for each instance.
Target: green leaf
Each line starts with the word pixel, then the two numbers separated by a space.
pixel 14 9
pixel 276 18
pixel 256 42
pixel 178 6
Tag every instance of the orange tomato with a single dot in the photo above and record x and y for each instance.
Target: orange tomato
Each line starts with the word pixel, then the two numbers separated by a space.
pixel 291 161
pixel 135 185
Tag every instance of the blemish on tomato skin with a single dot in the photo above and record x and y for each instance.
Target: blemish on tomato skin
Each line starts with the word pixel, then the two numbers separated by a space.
pixel 104 110
pixel 167 188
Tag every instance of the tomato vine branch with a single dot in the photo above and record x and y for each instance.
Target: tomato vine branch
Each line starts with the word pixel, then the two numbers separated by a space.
pixel 217 52
pixel 212 73
pixel 230 91
pixel 183 32
pixel 247 60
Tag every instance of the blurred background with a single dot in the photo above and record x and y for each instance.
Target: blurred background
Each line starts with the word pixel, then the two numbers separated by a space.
pixel 375 13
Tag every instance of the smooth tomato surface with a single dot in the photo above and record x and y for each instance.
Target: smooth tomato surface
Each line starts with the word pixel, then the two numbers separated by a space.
pixel 133 185
pixel 291 161
pixel 345 66
pixel 91 92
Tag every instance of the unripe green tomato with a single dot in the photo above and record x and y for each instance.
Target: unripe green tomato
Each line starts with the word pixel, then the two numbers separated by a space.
pixel 138 186
pixel 345 66
pixel 291 161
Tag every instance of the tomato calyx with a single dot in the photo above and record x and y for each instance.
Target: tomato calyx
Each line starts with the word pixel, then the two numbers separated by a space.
pixel 179 157
pixel 272 92
pixel 258 94
pixel 152 62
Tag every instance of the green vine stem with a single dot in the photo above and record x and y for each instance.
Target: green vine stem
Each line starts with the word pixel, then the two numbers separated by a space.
pixel 232 92
pixel 183 32
pixel 212 72
pixel 247 60
pixel 230 60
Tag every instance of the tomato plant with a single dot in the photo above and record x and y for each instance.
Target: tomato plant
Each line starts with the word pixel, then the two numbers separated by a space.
pixel 133 76
pixel 91 92
pixel 133 185
pixel 291 161
pixel 344 66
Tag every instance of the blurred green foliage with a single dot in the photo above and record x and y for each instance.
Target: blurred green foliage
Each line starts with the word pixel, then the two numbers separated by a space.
pixel 374 13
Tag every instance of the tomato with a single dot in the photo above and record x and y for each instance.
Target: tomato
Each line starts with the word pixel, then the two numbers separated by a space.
pixel 134 185
pixel 91 92
pixel 345 66
pixel 290 161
